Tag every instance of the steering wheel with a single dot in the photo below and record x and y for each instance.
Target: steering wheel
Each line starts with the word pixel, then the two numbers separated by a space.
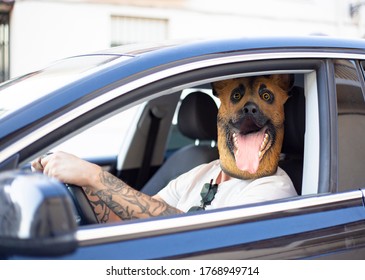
pixel 85 213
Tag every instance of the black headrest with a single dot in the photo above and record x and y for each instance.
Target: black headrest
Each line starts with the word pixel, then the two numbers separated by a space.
pixel 294 122
pixel 197 118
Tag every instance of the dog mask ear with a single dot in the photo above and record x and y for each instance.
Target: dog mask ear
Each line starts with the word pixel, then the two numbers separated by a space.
pixel 218 87
pixel 285 81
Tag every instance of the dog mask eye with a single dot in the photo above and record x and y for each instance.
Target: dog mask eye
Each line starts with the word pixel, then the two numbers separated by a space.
pixel 266 95
pixel 238 93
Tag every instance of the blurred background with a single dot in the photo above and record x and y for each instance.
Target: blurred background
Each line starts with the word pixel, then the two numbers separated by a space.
pixel 34 33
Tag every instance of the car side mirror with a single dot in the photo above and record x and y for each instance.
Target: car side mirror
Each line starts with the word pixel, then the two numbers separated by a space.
pixel 37 216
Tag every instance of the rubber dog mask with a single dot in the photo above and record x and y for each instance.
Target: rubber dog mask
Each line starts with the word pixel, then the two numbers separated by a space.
pixel 251 124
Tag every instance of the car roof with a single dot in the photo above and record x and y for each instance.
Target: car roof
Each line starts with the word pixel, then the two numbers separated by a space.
pixel 211 46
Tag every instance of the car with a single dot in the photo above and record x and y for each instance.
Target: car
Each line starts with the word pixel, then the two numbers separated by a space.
pixel 141 88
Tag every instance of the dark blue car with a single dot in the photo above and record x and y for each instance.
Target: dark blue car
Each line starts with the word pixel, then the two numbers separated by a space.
pixel 141 88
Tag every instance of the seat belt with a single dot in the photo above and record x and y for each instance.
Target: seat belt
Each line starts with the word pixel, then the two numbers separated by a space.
pixel 156 116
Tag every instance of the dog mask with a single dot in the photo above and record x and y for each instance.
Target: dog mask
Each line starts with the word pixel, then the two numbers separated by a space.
pixel 251 124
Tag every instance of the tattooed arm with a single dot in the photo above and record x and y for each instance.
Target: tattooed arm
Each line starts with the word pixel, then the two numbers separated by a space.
pixel 110 197
pixel 101 210
pixel 115 199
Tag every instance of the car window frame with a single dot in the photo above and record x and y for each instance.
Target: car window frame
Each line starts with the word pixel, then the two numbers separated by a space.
pixel 209 74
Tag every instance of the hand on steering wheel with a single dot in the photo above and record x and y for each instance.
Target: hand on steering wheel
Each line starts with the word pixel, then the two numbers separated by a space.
pixel 85 213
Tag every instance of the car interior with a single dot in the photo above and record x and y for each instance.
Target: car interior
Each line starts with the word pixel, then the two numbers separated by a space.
pixel 197 117
pixel 192 140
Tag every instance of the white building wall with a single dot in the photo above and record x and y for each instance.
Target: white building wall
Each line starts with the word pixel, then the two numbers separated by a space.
pixel 46 31
pixel 43 31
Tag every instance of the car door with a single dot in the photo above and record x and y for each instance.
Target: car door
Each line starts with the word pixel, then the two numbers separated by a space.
pixel 319 223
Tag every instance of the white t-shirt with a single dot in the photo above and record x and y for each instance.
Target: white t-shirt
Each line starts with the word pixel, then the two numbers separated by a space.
pixel 184 191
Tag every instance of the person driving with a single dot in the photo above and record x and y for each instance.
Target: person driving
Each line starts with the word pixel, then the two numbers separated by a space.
pixel 250 135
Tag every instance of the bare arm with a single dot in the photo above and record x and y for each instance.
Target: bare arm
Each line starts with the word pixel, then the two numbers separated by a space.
pixel 111 198
pixel 124 201
pixel 101 210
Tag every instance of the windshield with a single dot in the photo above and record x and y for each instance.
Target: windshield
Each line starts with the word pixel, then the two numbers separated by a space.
pixel 23 90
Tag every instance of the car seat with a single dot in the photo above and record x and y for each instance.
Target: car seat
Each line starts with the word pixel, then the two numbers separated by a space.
pixel 197 120
pixel 293 144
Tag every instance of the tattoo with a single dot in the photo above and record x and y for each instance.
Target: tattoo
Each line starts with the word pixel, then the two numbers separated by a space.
pixel 101 210
pixel 129 203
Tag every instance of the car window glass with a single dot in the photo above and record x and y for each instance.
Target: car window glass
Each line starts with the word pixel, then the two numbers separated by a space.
pixel 103 139
pixel 21 91
pixel 351 126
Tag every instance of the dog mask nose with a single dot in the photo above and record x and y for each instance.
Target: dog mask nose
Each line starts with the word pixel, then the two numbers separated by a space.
pixel 250 109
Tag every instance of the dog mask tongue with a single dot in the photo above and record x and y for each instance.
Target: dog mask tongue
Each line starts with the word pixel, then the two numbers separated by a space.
pixel 247 154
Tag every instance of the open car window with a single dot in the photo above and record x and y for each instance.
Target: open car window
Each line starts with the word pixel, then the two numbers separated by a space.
pixel 126 138
pixel 131 142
